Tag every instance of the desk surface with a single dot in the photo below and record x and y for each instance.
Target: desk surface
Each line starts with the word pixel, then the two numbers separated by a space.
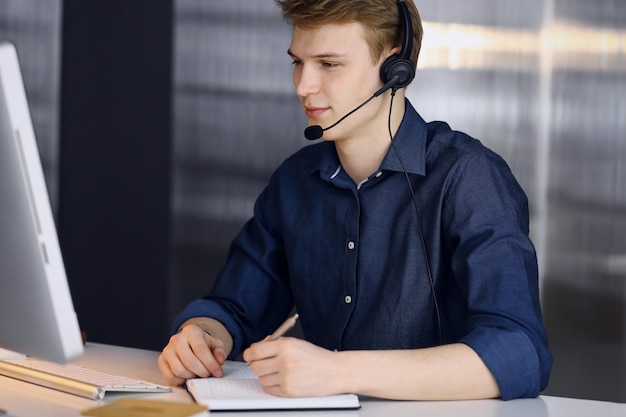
pixel 21 399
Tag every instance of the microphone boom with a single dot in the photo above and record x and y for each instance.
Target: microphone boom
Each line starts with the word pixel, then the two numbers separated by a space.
pixel 315 132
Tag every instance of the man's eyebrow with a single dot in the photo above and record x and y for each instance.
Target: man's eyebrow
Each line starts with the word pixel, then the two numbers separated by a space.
pixel 322 55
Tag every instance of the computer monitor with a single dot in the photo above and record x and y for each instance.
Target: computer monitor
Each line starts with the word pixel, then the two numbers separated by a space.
pixel 37 317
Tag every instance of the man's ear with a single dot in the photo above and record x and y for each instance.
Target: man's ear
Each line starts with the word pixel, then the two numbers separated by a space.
pixel 386 54
pixel 393 51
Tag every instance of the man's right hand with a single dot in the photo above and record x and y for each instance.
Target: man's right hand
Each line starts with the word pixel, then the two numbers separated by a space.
pixel 192 353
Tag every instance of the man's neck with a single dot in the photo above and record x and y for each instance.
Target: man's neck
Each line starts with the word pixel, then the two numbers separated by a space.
pixel 360 161
pixel 362 156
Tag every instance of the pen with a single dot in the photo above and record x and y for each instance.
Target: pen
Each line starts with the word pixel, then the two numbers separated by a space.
pixel 288 324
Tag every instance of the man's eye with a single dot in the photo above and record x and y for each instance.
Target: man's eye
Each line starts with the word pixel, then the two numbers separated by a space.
pixel 296 62
pixel 330 64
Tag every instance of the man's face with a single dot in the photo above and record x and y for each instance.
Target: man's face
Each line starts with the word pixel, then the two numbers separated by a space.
pixel 333 73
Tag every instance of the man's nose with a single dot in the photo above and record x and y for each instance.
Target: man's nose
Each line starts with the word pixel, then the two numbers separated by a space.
pixel 307 81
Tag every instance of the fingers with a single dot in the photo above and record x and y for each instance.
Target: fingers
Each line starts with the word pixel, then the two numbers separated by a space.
pixel 191 353
pixel 260 350
pixel 292 367
pixel 166 366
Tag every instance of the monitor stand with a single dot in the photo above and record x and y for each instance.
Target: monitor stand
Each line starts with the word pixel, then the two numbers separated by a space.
pixel 9 354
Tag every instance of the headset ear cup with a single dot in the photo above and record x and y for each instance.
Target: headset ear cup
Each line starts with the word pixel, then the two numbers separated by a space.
pixel 384 68
pixel 396 67
pixel 399 66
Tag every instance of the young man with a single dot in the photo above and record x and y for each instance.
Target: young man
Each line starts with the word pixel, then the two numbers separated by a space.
pixel 410 265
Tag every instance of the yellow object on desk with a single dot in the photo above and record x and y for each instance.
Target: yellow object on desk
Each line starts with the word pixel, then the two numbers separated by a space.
pixel 135 407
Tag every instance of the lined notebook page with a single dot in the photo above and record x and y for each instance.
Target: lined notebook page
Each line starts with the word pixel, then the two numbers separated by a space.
pixel 240 390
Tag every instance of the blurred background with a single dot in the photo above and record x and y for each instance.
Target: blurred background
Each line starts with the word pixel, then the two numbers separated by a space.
pixel 160 121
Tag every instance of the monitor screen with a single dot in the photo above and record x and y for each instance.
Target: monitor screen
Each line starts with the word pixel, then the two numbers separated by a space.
pixel 37 317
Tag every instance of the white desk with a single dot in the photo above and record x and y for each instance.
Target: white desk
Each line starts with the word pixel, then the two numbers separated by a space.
pixel 21 399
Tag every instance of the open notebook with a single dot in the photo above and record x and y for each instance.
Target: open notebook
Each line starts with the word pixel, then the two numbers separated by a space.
pixel 239 389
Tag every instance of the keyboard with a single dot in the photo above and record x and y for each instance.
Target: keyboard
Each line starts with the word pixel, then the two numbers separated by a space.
pixel 74 379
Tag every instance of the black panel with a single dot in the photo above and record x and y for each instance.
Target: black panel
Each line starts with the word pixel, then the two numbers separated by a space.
pixel 115 166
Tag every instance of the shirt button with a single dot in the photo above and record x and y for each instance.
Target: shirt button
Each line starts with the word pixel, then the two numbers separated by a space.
pixel 350 245
pixel 348 299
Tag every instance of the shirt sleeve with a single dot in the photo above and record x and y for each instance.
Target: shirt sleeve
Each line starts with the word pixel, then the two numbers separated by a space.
pixel 251 295
pixel 495 266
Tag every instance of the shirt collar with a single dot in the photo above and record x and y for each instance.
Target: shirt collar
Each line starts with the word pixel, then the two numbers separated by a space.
pixel 410 142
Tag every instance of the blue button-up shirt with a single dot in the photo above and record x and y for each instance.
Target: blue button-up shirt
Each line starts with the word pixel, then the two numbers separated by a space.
pixel 352 258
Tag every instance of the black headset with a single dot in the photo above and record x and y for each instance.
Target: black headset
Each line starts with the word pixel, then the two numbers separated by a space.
pixel 399 65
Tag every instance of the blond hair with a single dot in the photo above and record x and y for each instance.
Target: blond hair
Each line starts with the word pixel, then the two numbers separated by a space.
pixel 380 18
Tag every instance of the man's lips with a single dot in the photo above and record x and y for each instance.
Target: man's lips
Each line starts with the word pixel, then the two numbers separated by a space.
pixel 314 112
